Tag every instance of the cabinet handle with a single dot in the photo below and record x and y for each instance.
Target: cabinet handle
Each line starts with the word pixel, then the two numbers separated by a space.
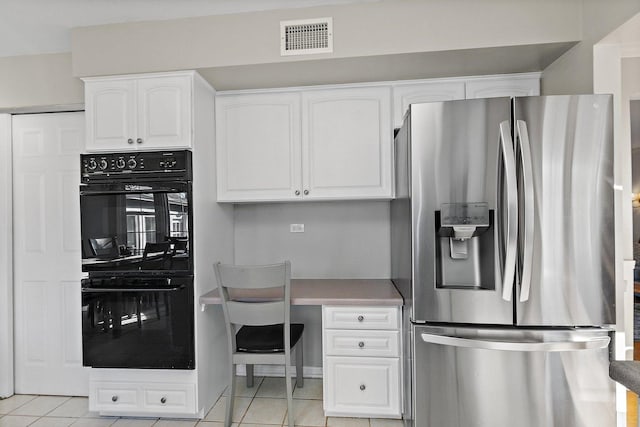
pixel 360 318
pixel 130 141
pixel 362 387
pixel 163 400
pixel 297 193
pixel 139 140
pixel 361 344
pixel 306 192
pixel 114 398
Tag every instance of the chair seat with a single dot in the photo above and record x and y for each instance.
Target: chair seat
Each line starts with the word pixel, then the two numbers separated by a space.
pixel 266 339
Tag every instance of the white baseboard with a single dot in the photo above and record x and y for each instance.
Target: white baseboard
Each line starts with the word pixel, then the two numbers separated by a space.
pixel 278 371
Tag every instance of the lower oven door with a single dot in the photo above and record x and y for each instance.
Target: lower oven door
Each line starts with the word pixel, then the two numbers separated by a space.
pixel 138 323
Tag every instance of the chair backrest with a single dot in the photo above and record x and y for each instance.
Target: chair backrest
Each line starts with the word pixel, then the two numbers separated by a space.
pixel 106 247
pixel 156 255
pixel 247 310
pixel 155 249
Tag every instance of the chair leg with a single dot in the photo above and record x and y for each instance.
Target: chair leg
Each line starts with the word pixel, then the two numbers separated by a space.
pixel 138 312
pixel 299 364
pixel 249 376
pixel 231 395
pixel 287 377
pixel 155 301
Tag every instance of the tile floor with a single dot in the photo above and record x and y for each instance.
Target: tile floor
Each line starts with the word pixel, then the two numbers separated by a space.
pixel 262 405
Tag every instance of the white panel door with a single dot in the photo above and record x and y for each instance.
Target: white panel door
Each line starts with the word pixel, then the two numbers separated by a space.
pixel 347 143
pixel 47 269
pixel 405 94
pixel 110 111
pixel 164 112
pixel 258 147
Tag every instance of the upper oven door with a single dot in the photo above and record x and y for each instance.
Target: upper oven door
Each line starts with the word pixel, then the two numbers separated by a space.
pixel 136 228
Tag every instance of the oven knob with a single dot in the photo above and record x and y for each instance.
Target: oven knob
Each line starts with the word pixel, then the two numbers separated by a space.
pixel 91 164
pixel 132 163
pixel 120 163
pixel 103 164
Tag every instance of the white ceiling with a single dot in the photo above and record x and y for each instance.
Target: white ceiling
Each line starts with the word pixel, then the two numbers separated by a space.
pixel 29 27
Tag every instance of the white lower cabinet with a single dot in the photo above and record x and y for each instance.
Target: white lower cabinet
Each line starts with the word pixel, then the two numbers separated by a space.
pixel 361 361
pixel 142 398
pixel 363 386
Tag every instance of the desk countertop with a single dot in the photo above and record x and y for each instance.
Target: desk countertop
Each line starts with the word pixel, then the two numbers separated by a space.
pixel 327 292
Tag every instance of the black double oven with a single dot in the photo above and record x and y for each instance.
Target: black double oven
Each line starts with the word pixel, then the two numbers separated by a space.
pixel 137 256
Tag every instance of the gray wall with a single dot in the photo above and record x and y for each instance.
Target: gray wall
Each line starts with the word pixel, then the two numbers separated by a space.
pixel 361 29
pixel 38 80
pixel 341 240
pixel 572 73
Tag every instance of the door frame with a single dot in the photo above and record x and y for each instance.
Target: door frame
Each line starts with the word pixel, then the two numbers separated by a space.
pixel 6 258
pixel 7 368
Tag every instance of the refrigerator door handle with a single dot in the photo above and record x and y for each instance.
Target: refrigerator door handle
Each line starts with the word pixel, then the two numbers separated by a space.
pixel 590 344
pixel 511 238
pixel 529 200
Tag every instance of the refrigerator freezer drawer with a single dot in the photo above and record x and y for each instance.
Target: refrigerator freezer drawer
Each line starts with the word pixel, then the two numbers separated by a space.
pixel 500 378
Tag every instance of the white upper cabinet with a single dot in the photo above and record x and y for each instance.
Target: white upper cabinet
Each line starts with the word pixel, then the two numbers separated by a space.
pixel 346 143
pixel 326 144
pixel 496 86
pixel 139 112
pixel 164 111
pixel 330 142
pixel 258 147
pixel 423 91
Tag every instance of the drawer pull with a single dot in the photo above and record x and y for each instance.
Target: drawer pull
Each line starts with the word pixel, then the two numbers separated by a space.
pixel 114 398
pixel 163 400
pixel 139 140
pixel 360 318
pixel 130 141
pixel 361 344
pixel 362 387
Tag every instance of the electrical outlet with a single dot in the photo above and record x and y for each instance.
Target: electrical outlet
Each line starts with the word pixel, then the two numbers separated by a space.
pixel 296 228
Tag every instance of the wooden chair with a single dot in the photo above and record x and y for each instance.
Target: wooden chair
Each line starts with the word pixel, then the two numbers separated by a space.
pixel 259 332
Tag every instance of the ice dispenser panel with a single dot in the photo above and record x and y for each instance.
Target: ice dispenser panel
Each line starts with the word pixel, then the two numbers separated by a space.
pixel 465 249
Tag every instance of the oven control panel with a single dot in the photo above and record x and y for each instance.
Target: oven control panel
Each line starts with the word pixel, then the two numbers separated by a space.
pixel 136 165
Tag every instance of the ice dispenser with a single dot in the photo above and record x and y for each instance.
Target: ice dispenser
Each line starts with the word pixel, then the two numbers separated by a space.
pixel 465 247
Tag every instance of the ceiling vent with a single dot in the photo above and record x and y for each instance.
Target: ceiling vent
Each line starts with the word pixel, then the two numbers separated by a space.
pixel 306 36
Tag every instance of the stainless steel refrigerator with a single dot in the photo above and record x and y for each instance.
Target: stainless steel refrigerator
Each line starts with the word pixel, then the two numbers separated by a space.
pixel 502 236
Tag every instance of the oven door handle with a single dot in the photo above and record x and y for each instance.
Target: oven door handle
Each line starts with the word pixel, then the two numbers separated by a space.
pixel 125 191
pixel 104 290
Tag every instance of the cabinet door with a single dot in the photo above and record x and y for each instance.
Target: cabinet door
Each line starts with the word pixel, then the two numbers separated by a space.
pixel 110 114
pixel 362 386
pixel 413 93
pixel 164 112
pixel 258 147
pixel 347 143
pixel 493 87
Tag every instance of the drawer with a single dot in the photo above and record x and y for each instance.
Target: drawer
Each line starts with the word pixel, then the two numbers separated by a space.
pixel 340 342
pixel 170 398
pixel 360 317
pixel 113 396
pixel 362 386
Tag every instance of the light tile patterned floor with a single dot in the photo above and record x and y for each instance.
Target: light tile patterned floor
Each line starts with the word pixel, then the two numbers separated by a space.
pixel 262 405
